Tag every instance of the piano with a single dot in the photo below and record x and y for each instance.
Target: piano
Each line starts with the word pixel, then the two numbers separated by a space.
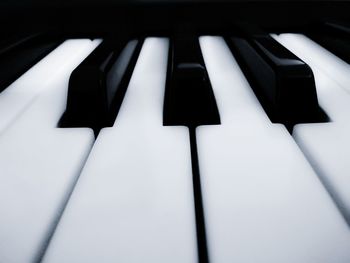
pixel 175 131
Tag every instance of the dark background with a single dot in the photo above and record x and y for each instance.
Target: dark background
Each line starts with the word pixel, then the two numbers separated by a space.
pixel 158 17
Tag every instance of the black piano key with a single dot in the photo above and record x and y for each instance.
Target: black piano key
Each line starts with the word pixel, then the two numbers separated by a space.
pixel 189 98
pixel 97 86
pixel 282 82
pixel 334 37
pixel 20 53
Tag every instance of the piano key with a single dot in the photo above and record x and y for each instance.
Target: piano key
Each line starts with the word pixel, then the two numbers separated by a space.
pixel 326 145
pixel 333 66
pixel 133 201
pixel 39 166
pixel 21 93
pixel 334 37
pixel 262 201
pixel 22 54
pixel 282 82
pixel 97 86
pixel 189 99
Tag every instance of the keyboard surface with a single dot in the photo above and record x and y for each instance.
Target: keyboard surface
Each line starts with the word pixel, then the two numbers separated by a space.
pixel 191 147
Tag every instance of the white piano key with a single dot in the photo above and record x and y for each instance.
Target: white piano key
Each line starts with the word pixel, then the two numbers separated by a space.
pixel 15 98
pixel 335 67
pixel 327 145
pixel 133 201
pixel 39 166
pixel 262 201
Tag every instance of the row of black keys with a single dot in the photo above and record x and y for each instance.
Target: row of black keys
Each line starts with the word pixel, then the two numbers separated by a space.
pixel 282 82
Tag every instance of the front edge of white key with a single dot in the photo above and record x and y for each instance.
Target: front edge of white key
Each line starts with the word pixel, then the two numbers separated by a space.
pixel 134 200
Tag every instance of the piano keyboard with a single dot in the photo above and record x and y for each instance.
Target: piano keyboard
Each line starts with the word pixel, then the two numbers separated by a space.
pixel 175 155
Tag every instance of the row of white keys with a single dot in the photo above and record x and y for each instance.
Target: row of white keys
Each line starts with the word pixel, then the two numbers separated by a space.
pixel 39 165
pixel 16 97
pixel 133 201
pixel 327 145
pixel 262 201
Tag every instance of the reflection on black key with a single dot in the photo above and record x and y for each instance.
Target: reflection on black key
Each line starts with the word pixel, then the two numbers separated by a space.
pixel 334 37
pixel 97 86
pixel 20 53
pixel 282 82
pixel 189 98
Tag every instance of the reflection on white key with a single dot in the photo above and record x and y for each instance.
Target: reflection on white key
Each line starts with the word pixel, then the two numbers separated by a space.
pixel 262 201
pixel 15 98
pixel 335 67
pixel 133 201
pixel 39 165
pixel 326 145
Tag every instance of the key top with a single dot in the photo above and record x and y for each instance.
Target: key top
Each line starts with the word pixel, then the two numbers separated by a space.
pixel 39 166
pixel 262 201
pixel 133 201
pixel 97 86
pixel 282 82
pixel 327 146
pixel 22 92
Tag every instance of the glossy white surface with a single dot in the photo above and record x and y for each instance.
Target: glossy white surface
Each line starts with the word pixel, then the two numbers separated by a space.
pixel 21 93
pixel 327 145
pixel 133 201
pixel 262 200
pixel 39 165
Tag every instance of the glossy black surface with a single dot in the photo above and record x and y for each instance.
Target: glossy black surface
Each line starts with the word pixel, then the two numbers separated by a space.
pixel 97 86
pixel 283 83
pixel 189 98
